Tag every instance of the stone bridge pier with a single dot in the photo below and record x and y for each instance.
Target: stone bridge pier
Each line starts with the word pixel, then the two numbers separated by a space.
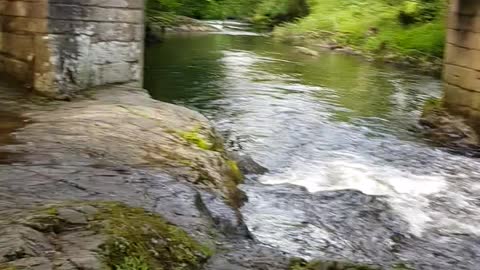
pixel 462 60
pixel 58 47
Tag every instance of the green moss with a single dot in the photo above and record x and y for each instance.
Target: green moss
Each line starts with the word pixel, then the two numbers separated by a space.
pixel 133 263
pixel 196 138
pixel 52 211
pixel 235 171
pixel 135 238
pixel 140 240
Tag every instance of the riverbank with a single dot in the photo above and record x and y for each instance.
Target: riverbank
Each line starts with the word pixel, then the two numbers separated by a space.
pixel 312 46
pixel 407 32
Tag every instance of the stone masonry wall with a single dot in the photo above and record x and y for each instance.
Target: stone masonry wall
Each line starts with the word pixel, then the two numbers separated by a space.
pixel 23 26
pixel 62 46
pixel 462 60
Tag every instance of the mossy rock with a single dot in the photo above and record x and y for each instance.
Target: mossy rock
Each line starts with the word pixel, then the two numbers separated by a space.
pixel 142 240
pixel 300 264
pixel 201 139
pixel 135 238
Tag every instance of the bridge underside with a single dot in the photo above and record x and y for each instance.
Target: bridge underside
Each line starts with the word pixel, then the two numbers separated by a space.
pixel 462 60
pixel 61 46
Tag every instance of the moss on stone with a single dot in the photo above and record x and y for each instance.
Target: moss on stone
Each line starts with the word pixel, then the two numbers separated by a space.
pixel 135 238
pixel 141 240
pixel 235 171
pixel 196 138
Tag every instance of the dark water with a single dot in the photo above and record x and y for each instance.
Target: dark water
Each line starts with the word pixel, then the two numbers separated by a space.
pixel 327 123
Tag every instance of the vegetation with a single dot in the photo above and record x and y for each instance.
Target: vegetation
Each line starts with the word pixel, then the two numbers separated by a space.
pixel 406 28
pixel 134 238
pixel 142 241
pixel 265 11
pixel 409 30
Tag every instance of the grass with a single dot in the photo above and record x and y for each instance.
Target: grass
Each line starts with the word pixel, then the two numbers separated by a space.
pixel 409 28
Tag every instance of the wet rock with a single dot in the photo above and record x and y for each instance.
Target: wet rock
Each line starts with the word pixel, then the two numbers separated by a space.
pixel 124 126
pixel 247 255
pixel 446 129
pixel 247 165
pixel 113 144
pixel 18 242
pixel 349 226
pixel 116 236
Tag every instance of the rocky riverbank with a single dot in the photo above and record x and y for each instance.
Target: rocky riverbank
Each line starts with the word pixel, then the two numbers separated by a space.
pixel 116 180
pixel 113 144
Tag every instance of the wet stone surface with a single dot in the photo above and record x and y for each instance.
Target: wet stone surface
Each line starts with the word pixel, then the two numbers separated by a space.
pixel 117 145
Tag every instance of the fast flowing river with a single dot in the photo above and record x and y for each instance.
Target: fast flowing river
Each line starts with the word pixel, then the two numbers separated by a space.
pixel 350 176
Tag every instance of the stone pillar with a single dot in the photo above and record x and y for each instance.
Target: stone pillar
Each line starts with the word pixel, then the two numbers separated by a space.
pixel 462 60
pixel 62 46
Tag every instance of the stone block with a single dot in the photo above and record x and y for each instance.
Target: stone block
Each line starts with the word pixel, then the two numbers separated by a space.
pixel 463 57
pixel 23 24
pixel 19 46
pixel 464 7
pixel 97 14
pixel 19 70
pixel 463 77
pixel 133 4
pixel 455 96
pixel 29 9
pixel 463 22
pixel 106 31
pixel 113 73
pixel 102 52
pixel 465 39
pixel 61 46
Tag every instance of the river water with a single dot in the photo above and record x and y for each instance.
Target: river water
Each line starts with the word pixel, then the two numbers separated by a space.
pixel 334 124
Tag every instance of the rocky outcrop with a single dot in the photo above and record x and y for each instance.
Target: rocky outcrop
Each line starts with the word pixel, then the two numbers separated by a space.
pixel 113 144
pixel 96 236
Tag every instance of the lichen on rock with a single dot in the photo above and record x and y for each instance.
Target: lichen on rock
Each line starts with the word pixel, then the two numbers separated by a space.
pixel 101 235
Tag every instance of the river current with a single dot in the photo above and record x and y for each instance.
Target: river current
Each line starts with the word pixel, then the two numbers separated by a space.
pixel 330 124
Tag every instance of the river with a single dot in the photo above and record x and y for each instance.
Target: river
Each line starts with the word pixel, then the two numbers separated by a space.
pixel 334 124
